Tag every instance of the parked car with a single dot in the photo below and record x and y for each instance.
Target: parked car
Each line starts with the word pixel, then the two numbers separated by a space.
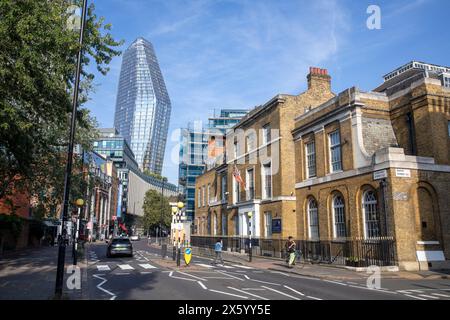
pixel 119 246
pixel 135 237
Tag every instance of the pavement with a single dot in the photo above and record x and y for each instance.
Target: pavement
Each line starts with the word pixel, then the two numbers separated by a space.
pixel 149 276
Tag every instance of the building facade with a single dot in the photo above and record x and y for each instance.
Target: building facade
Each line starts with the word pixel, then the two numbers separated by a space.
pixel 359 177
pixel 194 155
pixel 259 151
pixel 374 166
pixel 143 106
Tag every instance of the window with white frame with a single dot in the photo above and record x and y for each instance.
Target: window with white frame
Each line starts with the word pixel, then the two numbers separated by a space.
pixel 371 214
pixel 310 152
pixel 268 224
pixel 236 191
pixel 266 134
pixel 251 142
pixel 250 181
pixel 339 217
pixel 335 151
pixel 224 186
pixel 203 196
pixel 208 194
pixel 267 181
pixel 224 223
pixel 216 225
pixel 199 198
pixel 236 224
pixel 313 219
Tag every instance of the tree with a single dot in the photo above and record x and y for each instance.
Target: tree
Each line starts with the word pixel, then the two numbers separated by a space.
pixel 37 72
pixel 152 210
pixel 154 175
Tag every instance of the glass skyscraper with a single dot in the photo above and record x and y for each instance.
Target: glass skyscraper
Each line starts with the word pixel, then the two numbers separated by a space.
pixel 143 105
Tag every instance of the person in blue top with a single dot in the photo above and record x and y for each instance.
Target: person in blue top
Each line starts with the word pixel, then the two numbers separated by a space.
pixel 218 250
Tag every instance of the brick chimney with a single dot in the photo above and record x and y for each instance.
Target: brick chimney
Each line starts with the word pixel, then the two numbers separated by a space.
pixel 319 80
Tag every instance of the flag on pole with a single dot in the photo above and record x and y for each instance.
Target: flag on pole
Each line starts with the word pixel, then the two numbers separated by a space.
pixel 237 176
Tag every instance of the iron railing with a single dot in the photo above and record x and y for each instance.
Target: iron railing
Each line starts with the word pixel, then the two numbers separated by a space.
pixel 355 252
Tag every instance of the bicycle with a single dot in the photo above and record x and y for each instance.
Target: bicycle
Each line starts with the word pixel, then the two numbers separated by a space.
pixel 294 257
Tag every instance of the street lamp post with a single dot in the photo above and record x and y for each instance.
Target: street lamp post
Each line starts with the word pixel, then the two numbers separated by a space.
pixel 68 173
pixel 176 211
pixel 250 236
pixel 79 203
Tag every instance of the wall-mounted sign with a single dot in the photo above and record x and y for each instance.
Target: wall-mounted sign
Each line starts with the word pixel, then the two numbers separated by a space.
pixel 403 173
pixel 276 226
pixel 381 174
pixel 400 196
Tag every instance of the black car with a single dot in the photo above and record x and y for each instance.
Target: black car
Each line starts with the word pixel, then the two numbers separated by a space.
pixel 119 246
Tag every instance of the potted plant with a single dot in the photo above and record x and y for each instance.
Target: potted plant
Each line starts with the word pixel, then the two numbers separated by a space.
pixel 352 262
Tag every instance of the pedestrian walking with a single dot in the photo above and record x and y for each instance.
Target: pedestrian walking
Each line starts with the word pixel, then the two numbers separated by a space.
pixel 218 250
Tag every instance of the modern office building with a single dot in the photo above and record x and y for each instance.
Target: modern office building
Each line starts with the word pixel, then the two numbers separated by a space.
pixel 194 150
pixel 133 182
pixel 143 105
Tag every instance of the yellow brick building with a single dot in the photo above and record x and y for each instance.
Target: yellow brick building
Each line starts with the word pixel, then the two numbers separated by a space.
pixel 375 165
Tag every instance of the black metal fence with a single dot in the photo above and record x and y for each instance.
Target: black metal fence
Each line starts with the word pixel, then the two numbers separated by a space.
pixel 355 252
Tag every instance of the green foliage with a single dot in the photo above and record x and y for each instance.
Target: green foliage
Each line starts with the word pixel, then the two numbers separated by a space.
pixel 12 223
pixel 37 71
pixel 154 175
pixel 152 210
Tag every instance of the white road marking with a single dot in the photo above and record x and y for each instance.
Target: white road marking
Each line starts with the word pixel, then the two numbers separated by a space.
pixel 147 266
pixel 99 286
pixel 122 274
pixel 103 268
pixel 441 295
pixel 272 283
pixel 279 272
pixel 335 282
pixel 254 289
pixel 230 294
pixel 282 293
pixel 241 266
pixel 250 294
pixel 175 277
pixel 427 296
pixel 314 298
pixel 202 285
pixel 408 295
pixel 229 275
pixel 294 290
pixel 125 267
pixel 373 289
pixel 204 265
pixel 190 275
pixel 228 267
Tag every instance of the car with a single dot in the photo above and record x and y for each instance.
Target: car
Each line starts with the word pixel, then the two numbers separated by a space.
pixel 135 237
pixel 119 246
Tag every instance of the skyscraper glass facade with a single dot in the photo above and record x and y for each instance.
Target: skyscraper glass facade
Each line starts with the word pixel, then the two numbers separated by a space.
pixel 143 105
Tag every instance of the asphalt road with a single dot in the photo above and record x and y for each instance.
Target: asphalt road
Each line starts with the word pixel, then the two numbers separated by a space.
pixel 146 276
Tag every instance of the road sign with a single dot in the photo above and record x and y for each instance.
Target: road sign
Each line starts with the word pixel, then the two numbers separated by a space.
pixel 187 255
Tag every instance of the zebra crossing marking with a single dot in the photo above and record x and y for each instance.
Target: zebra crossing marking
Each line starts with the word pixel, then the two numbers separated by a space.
pixel 204 265
pixel 241 266
pixel 147 266
pixel 125 267
pixel 103 268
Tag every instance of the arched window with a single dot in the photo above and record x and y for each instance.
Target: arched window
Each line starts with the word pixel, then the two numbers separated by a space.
pixel 313 219
pixel 216 224
pixel 371 214
pixel 339 217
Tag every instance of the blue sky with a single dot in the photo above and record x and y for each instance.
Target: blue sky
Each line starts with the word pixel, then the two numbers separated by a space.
pixel 240 53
